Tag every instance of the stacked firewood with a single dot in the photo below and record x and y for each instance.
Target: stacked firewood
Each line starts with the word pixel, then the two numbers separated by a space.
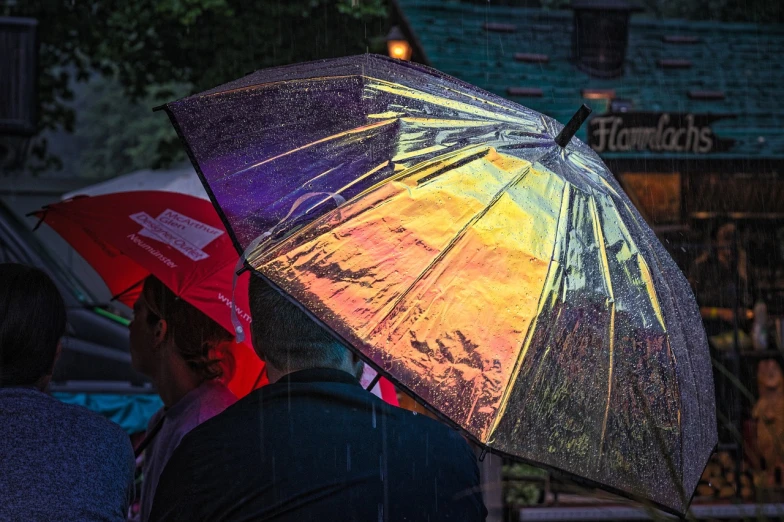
pixel 718 479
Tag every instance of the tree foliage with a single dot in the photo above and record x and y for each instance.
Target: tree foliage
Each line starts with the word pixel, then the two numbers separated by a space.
pixel 145 44
pixel 116 134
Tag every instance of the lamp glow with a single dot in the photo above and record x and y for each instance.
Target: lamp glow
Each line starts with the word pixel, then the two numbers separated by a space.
pixel 397 45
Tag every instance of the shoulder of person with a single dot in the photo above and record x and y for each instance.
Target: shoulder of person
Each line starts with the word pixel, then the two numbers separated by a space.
pixel 96 427
pixel 156 418
pixel 215 399
pixel 433 427
pixel 217 427
pixel 191 448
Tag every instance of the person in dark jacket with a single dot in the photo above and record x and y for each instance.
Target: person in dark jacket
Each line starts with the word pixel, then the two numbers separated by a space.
pixel 315 445
pixel 57 461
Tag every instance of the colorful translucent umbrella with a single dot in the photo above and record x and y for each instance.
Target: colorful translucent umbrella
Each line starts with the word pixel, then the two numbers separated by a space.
pixel 503 279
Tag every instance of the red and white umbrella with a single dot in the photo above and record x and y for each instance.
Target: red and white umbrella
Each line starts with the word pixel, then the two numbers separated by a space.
pixel 180 239
pixel 176 237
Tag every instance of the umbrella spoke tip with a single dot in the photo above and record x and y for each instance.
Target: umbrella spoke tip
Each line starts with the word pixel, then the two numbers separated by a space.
pixel 569 130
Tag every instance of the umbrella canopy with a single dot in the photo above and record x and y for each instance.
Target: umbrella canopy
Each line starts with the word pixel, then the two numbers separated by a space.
pixel 175 237
pixel 182 179
pixel 442 232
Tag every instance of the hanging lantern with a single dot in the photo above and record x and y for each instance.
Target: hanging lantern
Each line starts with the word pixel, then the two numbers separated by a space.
pixel 397 45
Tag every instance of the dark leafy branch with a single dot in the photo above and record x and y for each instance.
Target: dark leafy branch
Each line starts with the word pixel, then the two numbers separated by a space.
pixel 146 44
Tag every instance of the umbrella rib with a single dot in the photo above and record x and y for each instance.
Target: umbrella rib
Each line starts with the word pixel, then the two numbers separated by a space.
pixel 234 90
pixel 606 275
pixel 451 244
pixel 342 189
pixel 257 252
pixel 136 284
pixel 349 132
pixel 562 220
pixel 250 217
pixel 387 163
pixel 671 295
pixel 643 264
pixel 654 297
pixel 456 105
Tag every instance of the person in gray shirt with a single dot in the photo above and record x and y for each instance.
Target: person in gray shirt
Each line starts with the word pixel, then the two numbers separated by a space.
pixel 57 461
pixel 180 349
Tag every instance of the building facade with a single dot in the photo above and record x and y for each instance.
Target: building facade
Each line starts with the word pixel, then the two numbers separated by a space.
pixel 688 117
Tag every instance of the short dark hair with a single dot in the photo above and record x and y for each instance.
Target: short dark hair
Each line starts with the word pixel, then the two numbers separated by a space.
pixel 32 321
pixel 284 335
pixel 196 337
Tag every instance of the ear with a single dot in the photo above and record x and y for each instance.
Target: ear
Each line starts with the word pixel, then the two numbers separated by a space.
pixel 357 364
pixel 161 328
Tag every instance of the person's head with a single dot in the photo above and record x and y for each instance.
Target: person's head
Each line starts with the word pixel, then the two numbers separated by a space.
pixel 725 238
pixel 726 234
pixel 164 326
pixel 287 340
pixel 32 321
pixel 769 375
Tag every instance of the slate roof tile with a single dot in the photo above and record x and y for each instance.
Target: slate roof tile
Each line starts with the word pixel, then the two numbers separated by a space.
pixel 739 59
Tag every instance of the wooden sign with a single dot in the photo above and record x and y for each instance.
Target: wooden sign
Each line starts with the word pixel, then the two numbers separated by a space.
pixel 658 132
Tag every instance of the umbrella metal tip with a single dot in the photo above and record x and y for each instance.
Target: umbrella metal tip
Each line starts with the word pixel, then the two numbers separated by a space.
pixel 569 130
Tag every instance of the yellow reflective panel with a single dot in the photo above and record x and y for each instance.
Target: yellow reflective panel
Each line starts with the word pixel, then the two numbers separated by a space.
pixel 437 274
pixel 497 113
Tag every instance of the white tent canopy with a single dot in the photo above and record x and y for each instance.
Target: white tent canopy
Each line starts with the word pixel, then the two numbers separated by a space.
pixel 181 179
